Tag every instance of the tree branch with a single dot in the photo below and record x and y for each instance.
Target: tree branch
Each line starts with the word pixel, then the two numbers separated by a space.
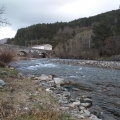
pixel 3 21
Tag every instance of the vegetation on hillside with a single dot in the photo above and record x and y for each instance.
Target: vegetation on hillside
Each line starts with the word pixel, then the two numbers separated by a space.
pixel 104 40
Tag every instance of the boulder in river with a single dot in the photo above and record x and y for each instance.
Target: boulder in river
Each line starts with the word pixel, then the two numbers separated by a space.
pixel 43 77
pixel 59 81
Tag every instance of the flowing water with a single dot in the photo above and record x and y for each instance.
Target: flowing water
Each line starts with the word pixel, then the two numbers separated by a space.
pixel 100 84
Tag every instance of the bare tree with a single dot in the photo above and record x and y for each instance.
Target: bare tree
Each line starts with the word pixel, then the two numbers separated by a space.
pixel 3 21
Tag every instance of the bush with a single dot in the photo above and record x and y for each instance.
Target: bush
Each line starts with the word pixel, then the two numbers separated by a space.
pixel 115 58
pixel 6 55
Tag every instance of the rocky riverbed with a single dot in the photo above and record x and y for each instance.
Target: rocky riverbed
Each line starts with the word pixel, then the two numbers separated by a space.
pixel 88 78
pixel 90 63
pixel 31 96
pixel 78 107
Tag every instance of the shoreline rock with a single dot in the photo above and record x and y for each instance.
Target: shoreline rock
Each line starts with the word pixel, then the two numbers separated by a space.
pixel 90 63
pixel 2 83
pixel 78 107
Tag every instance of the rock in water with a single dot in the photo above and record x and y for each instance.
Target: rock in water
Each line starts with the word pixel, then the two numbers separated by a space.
pixel 43 77
pixel 59 81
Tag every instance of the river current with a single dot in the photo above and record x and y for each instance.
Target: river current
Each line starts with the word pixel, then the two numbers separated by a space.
pixel 100 84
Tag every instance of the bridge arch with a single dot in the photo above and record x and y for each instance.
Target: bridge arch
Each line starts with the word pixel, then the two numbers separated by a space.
pixel 45 55
pixel 22 53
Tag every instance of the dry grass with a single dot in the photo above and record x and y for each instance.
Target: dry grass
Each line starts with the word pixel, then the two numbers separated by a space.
pixel 24 99
pixel 18 94
pixel 7 55
pixel 46 114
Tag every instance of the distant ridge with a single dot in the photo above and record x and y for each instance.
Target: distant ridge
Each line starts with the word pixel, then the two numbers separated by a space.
pixel 2 41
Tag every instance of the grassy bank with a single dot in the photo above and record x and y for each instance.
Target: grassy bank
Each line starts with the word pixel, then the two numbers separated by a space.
pixel 23 99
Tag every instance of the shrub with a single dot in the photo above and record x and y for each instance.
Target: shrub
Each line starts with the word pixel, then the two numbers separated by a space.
pixel 6 55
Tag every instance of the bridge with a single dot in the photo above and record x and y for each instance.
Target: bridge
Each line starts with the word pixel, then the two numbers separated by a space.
pixel 27 51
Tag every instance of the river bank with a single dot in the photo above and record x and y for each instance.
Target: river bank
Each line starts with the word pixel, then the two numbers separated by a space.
pixel 90 63
pixel 24 99
pixel 101 84
pixel 33 97
pixel 87 63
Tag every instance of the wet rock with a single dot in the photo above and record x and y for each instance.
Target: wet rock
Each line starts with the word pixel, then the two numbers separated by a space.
pixel 66 94
pixel 79 116
pixel 45 85
pixel 81 112
pixel 48 90
pixel 86 102
pixel 74 111
pixel 63 101
pixel 50 77
pixel 71 100
pixel 74 104
pixel 3 73
pixel 81 108
pixel 51 83
pixel 29 76
pixel 86 105
pixel 93 117
pixel 68 87
pixel 36 78
pixel 58 81
pixel 43 77
pixel 20 75
pixel 2 83
pixel 86 113
pixel 75 89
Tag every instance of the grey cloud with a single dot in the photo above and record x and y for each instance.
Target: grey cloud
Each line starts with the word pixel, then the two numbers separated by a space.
pixel 23 13
pixel 27 12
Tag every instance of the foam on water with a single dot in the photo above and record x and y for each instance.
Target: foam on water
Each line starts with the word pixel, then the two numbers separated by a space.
pixel 35 67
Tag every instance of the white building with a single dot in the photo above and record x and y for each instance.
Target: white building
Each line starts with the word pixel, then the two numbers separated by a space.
pixel 44 47
pixel 47 47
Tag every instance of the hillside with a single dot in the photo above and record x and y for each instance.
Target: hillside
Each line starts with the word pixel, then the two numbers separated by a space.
pixel 77 38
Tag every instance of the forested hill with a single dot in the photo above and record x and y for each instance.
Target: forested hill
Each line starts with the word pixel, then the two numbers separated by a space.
pixel 60 33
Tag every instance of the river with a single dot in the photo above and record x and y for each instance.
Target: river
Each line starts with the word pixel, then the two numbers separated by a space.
pixel 102 85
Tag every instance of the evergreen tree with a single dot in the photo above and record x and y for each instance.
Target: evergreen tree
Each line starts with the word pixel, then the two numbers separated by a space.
pixel 100 33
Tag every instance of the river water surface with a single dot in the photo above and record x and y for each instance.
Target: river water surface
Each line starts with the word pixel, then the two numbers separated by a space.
pixel 100 84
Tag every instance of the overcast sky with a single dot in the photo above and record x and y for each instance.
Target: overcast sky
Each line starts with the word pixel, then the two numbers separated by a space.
pixel 23 13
